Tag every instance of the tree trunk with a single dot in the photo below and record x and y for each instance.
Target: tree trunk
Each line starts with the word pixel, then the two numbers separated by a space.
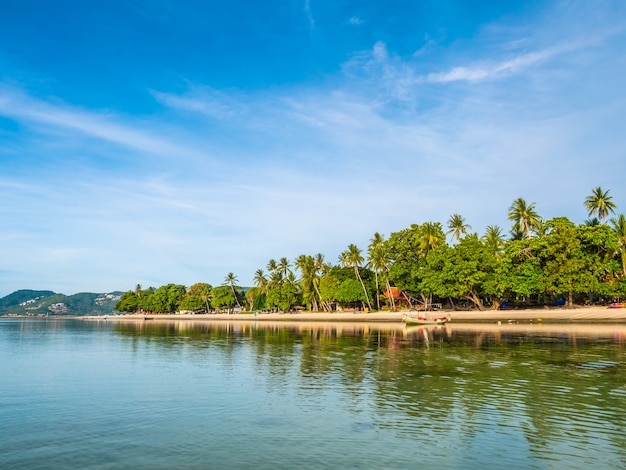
pixel 392 300
pixel 358 276
pixel 471 296
pixel 377 289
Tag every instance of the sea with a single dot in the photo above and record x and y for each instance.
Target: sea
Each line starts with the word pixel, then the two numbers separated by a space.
pixel 168 394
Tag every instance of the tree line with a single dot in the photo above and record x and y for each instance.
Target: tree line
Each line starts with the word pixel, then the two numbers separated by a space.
pixel 540 262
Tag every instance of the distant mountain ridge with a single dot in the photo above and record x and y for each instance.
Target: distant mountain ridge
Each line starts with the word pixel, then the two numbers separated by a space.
pixel 48 303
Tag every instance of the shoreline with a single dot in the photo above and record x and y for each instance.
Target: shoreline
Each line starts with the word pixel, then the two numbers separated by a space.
pixel 557 315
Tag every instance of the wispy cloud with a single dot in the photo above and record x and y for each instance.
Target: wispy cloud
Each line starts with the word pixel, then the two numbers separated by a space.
pixel 500 69
pixel 17 105
pixel 211 103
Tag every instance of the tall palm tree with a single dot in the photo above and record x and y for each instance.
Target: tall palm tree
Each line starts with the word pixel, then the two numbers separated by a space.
pixel 524 217
pixel 320 268
pixel 600 203
pixel 261 281
pixel 352 257
pixel 284 266
pixel 306 265
pixel 619 225
pixel 231 280
pixel 379 261
pixel 457 226
pixel 376 260
pixel 494 239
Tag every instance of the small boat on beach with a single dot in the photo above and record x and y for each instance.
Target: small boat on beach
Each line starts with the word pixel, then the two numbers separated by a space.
pixel 421 320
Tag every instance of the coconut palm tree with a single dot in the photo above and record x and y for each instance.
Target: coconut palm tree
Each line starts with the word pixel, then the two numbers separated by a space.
pixel 376 260
pixel 592 222
pixel 379 262
pixel 432 236
pixel 619 225
pixel 541 228
pixel 600 203
pixel 306 265
pixel 320 268
pixel 457 226
pixel 261 281
pixel 272 266
pixel 494 239
pixel 231 281
pixel 284 266
pixel 524 217
pixel 352 257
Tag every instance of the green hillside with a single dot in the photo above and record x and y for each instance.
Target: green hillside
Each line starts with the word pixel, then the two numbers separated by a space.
pixel 48 303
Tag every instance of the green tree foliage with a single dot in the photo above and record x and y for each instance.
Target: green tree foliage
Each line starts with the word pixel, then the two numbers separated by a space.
pixel 197 298
pixel 461 271
pixel 574 258
pixel 224 297
pixel 129 302
pixel 350 292
pixel 619 225
pixel 521 268
pixel 167 299
pixel 329 286
pixel 407 251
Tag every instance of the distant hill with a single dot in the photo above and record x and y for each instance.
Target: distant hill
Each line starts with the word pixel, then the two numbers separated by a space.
pixel 45 302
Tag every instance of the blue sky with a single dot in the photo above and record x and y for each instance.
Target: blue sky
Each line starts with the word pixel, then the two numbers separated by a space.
pixel 150 142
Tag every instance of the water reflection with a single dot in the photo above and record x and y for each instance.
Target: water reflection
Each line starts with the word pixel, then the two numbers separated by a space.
pixel 357 395
pixel 547 391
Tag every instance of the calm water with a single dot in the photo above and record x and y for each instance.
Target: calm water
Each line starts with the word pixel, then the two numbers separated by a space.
pixel 187 395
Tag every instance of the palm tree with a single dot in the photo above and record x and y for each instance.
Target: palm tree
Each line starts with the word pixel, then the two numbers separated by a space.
pixel 493 239
pixel 457 226
pixel 619 225
pixel 306 265
pixel 261 281
pixel 541 228
pixel 231 280
pixel 524 217
pixel 283 266
pixel 352 257
pixel 272 266
pixel 600 203
pixel 432 236
pixel 379 261
pixel 320 268
pixel 376 260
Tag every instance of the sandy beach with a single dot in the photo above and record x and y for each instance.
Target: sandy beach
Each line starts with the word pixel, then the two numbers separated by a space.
pixel 556 315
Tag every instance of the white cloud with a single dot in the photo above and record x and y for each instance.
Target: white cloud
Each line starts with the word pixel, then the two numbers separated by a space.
pixel 17 105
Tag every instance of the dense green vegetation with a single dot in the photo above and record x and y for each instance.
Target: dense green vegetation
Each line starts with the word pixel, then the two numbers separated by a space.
pixel 542 262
